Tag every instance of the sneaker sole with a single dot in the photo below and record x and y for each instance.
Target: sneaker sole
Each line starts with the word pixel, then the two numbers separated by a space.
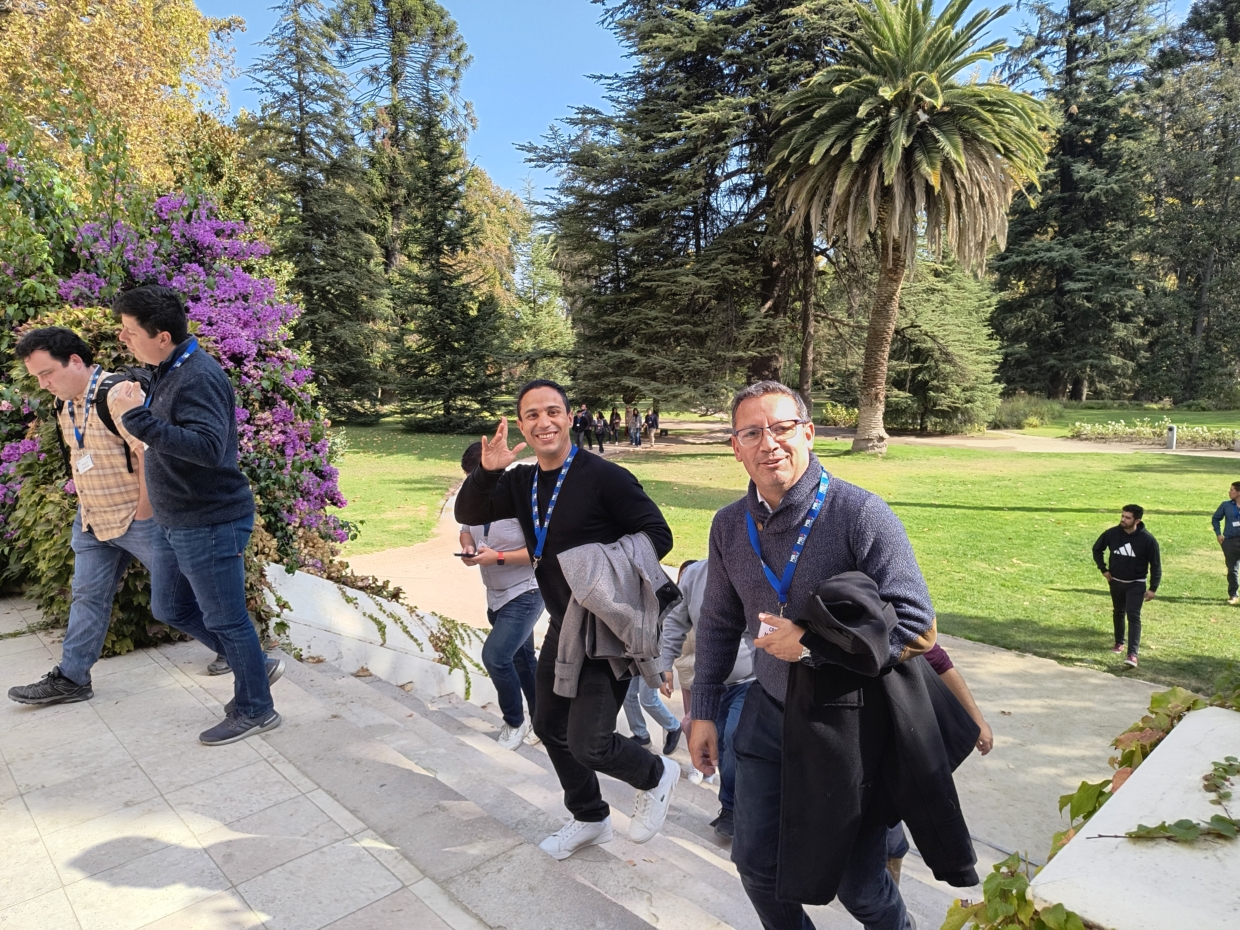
pixel 274 722
pixel 60 699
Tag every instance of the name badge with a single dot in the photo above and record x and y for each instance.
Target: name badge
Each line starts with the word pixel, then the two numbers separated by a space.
pixel 765 629
pixel 1236 523
pixel 85 463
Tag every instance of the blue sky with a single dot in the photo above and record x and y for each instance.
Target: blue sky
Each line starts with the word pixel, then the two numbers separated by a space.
pixel 531 58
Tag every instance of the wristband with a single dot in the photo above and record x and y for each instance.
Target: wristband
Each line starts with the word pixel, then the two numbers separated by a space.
pixel 499 559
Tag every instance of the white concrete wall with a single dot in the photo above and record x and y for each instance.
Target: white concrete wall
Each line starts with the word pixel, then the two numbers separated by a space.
pixel 322 623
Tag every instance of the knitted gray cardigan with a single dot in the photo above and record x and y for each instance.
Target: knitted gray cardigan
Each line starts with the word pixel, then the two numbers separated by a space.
pixel 855 531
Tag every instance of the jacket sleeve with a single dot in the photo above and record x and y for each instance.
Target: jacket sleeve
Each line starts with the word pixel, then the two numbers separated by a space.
pixel 1155 565
pixel 200 434
pixel 1216 521
pixel 1100 547
pixel 486 496
pixel 676 626
pixel 634 512
pixel 720 626
pixel 882 550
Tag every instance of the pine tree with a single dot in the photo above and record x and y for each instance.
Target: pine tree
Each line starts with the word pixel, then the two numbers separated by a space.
pixel 303 135
pixel 1070 317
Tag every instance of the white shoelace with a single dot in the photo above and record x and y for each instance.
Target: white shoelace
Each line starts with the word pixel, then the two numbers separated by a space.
pixel 570 829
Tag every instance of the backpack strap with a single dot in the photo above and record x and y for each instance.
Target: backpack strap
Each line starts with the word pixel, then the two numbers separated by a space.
pixel 59 405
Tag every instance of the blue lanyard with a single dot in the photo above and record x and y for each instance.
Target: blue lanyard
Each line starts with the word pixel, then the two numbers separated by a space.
pixel 90 393
pixel 193 345
pixel 540 529
pixel 783 585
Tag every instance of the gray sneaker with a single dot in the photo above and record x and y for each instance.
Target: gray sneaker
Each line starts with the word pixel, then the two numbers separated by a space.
pixel 275 668
pixel 235 728
pixel 220 666
pixel 52 688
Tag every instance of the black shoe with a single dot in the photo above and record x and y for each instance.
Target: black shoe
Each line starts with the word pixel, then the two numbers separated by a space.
pixel 725 823
pixel 671 742
pixel 235 728
pixel 220 666
pixel 52 688
pixel 275 668
pixel 644 743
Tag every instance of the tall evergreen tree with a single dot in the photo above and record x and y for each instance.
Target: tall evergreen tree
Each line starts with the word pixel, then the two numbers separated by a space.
pixel 304 136
pixel 1070 318
pixel 680 277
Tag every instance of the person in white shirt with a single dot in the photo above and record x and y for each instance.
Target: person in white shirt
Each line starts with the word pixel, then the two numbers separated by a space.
pixel 513 607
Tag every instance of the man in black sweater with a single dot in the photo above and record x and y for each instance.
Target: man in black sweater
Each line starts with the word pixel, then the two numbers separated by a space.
pixel 1134 552
pixel 200 498
pixel 581 499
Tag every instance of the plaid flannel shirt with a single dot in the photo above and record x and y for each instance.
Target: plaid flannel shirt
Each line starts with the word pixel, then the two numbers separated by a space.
pixel 107 492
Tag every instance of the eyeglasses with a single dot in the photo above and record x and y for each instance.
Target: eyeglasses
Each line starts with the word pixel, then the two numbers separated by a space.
pixel 779 432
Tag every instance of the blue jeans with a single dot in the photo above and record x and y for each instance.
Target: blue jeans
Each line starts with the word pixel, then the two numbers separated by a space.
pixel 642 695
pixel 210 569
pixel 897 842
pixel 867 891
pixel 725 728
pixel 98 567
pixel 508 654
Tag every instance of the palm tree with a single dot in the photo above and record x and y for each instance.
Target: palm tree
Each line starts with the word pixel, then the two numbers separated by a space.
pixel 890 137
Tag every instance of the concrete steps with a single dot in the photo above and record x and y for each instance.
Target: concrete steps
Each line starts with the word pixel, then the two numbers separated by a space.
pixel 426 774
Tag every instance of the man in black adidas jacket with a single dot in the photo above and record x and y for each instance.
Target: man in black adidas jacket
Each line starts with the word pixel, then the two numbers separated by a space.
pixel 1134 553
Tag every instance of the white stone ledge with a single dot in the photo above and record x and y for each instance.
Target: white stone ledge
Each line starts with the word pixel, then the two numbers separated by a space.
pixel 1156 884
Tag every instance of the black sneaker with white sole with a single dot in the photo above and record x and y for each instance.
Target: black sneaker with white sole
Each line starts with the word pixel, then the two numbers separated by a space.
pixel 275 668
pixel 235 728
pixel 220 665
pixel 52 688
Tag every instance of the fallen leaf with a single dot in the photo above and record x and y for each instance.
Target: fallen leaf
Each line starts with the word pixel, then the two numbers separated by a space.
pixel 363 672
pixel 407 686
pixel 314 660
pixel 629 862
pixel 1005 713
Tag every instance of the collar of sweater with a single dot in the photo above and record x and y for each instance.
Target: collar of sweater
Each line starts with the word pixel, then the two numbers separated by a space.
pixel 792 509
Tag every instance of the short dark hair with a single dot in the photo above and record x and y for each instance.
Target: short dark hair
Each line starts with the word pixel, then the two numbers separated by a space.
pixel 157 309
pixel 58 342
pixel 1135 509
pixel 541 383
pixel 1236 485
pixel 471 458
pixel 763 388
pixel 683 565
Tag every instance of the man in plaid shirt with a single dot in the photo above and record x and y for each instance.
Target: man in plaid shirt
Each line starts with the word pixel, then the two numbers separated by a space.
pixel 114 523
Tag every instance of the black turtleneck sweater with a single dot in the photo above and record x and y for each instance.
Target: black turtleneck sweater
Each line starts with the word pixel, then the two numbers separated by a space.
pixel 599 503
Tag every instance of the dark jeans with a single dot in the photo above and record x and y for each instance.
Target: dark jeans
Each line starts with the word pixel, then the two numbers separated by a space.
pixel 580 734
pixel 1127 599
pixel 210 570
pixel 897 842
pixel 729 719
pixel 508 654
pixel 1231 555
pixel 98 567
pixel 867 890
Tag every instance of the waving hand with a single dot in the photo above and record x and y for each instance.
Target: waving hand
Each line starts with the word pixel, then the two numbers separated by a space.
pixel 496 456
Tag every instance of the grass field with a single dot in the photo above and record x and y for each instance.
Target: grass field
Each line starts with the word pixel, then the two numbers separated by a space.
pixel 1003 539
pixel 1225 419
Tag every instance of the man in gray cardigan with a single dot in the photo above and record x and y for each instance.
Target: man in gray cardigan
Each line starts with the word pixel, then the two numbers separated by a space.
pixel 796 526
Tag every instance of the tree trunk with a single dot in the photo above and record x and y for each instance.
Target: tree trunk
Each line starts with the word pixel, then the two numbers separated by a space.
pixel 871 437
pixel 805 386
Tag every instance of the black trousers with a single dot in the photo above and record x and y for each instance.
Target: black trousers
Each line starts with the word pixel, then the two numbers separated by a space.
pixel 580 734
pixel 1126 599
pixel 1231 556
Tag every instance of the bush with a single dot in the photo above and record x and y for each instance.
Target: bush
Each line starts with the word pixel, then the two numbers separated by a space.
pixel 829 413
pixel 1154 432
pixel 1024 411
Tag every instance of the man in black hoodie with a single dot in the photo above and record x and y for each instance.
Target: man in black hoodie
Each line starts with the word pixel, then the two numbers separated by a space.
pixel 1134 553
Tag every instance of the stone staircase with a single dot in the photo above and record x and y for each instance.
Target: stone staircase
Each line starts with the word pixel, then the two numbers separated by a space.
pixel 426 774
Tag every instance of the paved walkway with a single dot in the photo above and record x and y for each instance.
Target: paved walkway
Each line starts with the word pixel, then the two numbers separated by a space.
pixel 114 817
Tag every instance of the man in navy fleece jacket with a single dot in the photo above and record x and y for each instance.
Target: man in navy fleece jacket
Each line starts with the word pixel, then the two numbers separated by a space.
pixel 772 436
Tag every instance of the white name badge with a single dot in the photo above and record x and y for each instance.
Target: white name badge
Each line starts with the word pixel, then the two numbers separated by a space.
pixel 765 629
pixel 85 463
pixel 1236 523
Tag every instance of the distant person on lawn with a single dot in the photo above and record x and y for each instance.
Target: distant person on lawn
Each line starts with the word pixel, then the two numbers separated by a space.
pixel 1226 523
pixel 113 525
pixel 513 607
pixel 1133 553
pixel 201 500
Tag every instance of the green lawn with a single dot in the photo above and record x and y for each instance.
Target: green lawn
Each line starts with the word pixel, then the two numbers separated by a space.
pixel 1225 419
pixel 1004 539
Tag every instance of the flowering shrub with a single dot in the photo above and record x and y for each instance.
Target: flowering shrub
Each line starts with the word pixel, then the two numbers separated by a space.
pixel 1154 432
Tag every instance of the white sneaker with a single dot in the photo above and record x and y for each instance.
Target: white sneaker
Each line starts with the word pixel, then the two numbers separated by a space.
pixel 695 776
pixel 574 835
pixel 531 738
pixel 651 808
pixel 510 737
